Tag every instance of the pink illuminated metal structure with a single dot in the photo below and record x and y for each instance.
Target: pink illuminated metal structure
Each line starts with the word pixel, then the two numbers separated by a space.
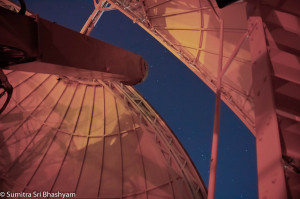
pixel 85 134
pixel 248 53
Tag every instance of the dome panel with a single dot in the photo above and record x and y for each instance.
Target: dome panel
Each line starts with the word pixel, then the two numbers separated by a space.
pixel 86 114
pixel 134 174
pixel 89 179
pixel 98 118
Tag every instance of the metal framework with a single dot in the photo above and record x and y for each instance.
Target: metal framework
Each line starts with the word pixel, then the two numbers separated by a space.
pixel 165 141
pixel 263 45
pixel 100 7
pixel 57 118
pixel 142 19
pixel 74 100
pixel 272 45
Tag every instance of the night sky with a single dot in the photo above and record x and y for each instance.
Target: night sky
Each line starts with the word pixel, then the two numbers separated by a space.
pixel 179 96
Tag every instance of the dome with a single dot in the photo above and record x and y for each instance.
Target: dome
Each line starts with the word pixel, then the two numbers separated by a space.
pixel 96 139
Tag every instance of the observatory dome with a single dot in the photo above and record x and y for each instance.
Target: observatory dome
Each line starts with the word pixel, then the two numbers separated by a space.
pixel 96 139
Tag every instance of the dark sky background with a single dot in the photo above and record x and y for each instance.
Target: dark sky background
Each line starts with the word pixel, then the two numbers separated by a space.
pixel 179 96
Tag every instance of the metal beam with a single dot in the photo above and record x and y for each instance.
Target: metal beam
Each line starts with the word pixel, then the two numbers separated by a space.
pixel 271 180
pixel 180 13
pixel 158 4
pixel 231 58
pixel 215 139
pixel 200 29
pixel 89 25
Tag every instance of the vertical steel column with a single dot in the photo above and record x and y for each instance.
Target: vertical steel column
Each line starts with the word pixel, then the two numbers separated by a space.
pixel 215 139
pixel 271 179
